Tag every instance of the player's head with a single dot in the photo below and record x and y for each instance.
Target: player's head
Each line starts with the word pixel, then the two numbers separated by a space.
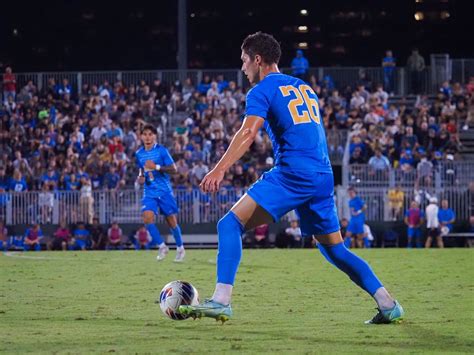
pixel 259 49
pixel 148 135
pixel 414 204
pixel 444 203
pixel 352 192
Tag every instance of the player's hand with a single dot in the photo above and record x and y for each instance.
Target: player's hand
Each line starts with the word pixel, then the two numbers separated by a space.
pixel 150 165
pixel 141 180
pixel 212 180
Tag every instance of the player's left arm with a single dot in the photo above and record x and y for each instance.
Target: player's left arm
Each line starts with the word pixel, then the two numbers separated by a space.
pixel 240 143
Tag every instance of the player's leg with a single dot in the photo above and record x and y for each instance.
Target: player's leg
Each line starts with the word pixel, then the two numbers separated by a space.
pixel 149 208
pixel 246 214
pixel 429 239
pixel 410 236
pixel 319 218
pixel 169 208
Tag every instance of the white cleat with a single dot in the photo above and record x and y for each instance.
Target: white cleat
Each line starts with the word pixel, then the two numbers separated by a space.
pixel 180 253
pixel 162 252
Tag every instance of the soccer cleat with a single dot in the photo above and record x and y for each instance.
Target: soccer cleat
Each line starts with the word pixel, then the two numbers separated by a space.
pixel 162 252
pixel 208 308
pixel 393 315
pixel 180 253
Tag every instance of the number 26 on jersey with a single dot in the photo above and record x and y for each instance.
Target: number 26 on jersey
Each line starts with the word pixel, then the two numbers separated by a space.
pixel 310 109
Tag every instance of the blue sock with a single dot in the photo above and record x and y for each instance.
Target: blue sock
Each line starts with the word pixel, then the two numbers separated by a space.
pixel 177 236
pixel 155 233
pixel 409 244
pixel 348 242
pixel 229 253
pixel 366 242
pixel 356 268
pixel 324 252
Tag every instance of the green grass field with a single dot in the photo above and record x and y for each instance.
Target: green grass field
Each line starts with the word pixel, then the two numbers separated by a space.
pixel 285 301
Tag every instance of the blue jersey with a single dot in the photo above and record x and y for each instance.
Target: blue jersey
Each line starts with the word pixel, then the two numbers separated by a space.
pixel 357 204
pixel 156 183
pixel 293 122
pixel 446 215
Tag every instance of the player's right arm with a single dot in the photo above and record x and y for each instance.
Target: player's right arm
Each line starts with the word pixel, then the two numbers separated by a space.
pixel 241 142
pixel 141 171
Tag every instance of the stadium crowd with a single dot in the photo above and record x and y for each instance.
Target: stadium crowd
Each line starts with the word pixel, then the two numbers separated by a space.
pixel 56 138
pixel 59 139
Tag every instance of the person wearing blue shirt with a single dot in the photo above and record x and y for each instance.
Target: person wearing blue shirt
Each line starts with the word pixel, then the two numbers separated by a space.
pixel 300 65
pixel 301 179
pixel 388 64
pixel 446 216
pixel 355 228
pixel 81 237
pixel 17 182
pixel 112 178
pixel 155 164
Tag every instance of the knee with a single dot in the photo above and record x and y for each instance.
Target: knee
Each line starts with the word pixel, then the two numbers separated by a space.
pixel 229 223
pixel 148 218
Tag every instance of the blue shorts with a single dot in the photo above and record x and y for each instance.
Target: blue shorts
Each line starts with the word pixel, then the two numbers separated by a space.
pixel 356 226
pixel 81 243
pixel 311 194
pixel 414 232
pixel 166 203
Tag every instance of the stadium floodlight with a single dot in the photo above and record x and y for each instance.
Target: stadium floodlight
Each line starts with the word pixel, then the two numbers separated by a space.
pixel 419 16
pixel 304 12
pixel 302 28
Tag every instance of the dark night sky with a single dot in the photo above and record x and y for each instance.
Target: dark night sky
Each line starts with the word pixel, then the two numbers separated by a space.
pixel 101 35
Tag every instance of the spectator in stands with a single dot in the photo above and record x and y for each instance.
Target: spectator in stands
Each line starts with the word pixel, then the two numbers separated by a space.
pixel 18 182
pixel 432 224
pixel 114 235
pixel 294 234
pixel 414 219
pixel 142 238
pixel 300 65
pixel 46 203
pixel 4 239
pixel 97 234
pixel 379 163
pixel 80 237
pixel 396 198
pixel 61 238
pixel 9 84
pixel 198 172
pixel 33 236
pixel 261 236
pixel 416 66
pixel 446 217
pixel 424 169
pixel 389 64
pixel 86 201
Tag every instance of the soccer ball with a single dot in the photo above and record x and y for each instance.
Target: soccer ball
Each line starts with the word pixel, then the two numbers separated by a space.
pixel 175 294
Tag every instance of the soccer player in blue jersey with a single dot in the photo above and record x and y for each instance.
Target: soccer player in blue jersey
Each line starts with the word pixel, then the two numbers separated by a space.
pixel 156 163
pixel 302 179
pixel 355 228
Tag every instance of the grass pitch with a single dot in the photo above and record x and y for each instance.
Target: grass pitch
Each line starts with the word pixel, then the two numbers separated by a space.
pixel 286 301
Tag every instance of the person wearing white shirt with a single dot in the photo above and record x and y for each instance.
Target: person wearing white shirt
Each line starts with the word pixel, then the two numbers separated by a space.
pixel 294 232
pixel 432 224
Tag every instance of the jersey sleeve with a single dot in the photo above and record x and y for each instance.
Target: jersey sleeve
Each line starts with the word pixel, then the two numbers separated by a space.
pixel 256 103
pixel 167 158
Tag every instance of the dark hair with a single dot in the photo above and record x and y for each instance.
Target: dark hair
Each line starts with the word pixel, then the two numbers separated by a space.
pixel 148 127
pixel 264 45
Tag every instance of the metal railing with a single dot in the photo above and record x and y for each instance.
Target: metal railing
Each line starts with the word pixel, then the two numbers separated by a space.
pixel 123 206
pixel 340 76
pixel 446 174
pixel 379 207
